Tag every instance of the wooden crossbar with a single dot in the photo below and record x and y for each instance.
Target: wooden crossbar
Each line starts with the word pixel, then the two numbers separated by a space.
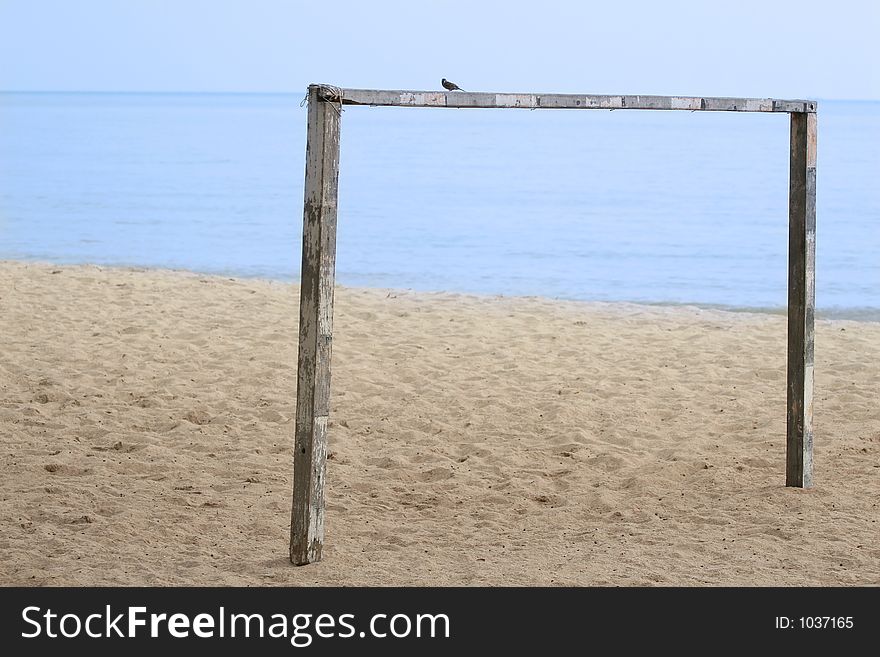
pixel 471 99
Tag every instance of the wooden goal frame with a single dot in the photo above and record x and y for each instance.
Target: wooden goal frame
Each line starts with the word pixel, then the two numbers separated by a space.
pixel 325 104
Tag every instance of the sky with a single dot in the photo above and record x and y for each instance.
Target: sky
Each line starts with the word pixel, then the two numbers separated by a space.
pixel 762 48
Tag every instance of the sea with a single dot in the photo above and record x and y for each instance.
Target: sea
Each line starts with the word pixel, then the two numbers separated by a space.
pixel 634 206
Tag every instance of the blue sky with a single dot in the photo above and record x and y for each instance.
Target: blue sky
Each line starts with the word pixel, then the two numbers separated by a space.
pixel 783 48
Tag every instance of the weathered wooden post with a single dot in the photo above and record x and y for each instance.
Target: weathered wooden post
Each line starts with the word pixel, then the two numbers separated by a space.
pixel 315 325
pixel 801 299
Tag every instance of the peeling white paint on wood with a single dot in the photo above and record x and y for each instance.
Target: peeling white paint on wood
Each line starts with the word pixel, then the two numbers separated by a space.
pixel 466 99
pixel 516 100
pixel 801 300
pixel 680 103
pixel 423 99
pixel 315 325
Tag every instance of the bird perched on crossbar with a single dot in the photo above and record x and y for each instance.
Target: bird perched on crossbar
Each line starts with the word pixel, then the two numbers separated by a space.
pixel 451 86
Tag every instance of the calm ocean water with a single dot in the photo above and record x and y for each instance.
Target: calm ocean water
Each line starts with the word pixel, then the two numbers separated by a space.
pixel 659 207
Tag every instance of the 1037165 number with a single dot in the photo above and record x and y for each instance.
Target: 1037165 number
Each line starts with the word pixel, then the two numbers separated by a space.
pixel 815 622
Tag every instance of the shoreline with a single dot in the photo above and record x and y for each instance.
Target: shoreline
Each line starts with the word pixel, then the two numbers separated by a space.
pixel 147 418
pixel 855 314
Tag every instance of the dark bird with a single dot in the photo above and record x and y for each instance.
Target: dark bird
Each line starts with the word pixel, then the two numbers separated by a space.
pixel 451 86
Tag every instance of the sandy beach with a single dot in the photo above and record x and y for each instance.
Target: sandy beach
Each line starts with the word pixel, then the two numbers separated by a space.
pixel 146 420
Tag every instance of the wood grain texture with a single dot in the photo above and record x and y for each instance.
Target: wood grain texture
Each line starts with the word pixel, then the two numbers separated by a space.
pixel 315 329
pixel 801 300
pixel 469 99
